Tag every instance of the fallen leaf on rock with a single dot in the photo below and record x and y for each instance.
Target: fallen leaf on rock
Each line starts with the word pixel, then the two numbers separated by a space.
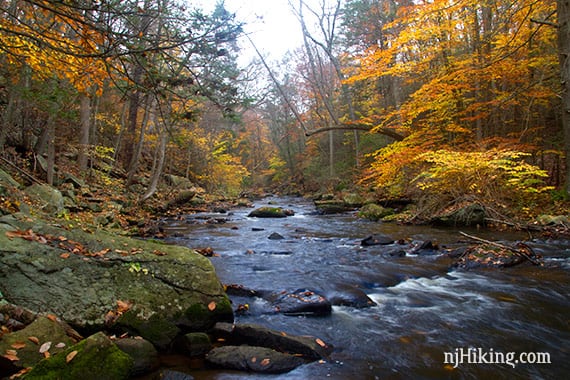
pixel 159 253
pixel 254 359
pixel 60 345
pixel 47 354
pixel 320 342
pixel 212 306
pixel 123 306
pixel 45 347
pixel 102 252
pixel 51 317
pixel 12 352
pixel 64 255
pixel 33 339
pixel 265 362
pixel 12 358
pixel 70 356
pixel 18 345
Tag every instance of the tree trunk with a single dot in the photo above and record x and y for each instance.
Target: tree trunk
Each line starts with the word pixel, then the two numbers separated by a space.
pixel 159 165
pixel 85 116
pixel 564 51
pixel 137 153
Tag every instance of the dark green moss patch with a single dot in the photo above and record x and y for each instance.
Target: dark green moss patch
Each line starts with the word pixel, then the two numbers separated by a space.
pixel 97 358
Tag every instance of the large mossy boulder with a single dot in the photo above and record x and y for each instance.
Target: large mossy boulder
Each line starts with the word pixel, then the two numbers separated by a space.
pixel 94 358
pixel 100 280
pixel 270 212
pixel 374 212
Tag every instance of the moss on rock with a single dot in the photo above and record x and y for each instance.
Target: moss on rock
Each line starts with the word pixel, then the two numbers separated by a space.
pixel 97 358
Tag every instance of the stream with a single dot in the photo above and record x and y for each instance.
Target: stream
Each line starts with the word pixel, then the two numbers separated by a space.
pixel 424 308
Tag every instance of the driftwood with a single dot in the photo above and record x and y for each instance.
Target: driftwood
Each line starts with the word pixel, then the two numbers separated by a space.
pixel 517 252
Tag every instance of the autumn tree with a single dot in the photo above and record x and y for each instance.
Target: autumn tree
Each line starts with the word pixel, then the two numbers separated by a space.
pixel 474 76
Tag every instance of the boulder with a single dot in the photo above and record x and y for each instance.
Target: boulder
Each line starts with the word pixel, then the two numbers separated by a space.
pixel 194 344
pixel 181 198
pixel 97 280
pixel 377 239
pixel 495 256
pixel 270 212
pixel 307 347
pixel 254 359
pixel 7 180
pixel 43 334
pixel 94 358
pixel 302 302
pixel 346 295
pixel 374 212
pixel 332 206
pixel 144 355
pixel 50 199
pixel 178 181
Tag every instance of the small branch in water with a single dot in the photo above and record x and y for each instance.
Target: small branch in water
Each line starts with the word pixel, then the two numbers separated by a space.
pixel 502 246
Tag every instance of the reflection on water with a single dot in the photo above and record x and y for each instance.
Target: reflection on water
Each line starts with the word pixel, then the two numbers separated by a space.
pixel 423 310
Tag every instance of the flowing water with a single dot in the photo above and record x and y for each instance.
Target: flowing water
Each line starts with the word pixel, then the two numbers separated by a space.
pixel 424 308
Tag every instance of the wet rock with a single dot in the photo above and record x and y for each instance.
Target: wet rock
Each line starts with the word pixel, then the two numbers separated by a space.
pixel 377 239
pixel 491 256
pixel 275 236
pixel 254 359
pixel 302 302
pixel 194 344
pixel 96 357
pixel 144 355
pixel 423 248
pixel 308 347
pixel 270 212
pixel 174 375
pixel 349 296
pixel 240 291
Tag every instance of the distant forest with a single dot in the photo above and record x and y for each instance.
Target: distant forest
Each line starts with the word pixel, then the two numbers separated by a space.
pixel 441 101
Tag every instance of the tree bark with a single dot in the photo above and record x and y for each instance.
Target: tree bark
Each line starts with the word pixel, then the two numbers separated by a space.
pixel 85 116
